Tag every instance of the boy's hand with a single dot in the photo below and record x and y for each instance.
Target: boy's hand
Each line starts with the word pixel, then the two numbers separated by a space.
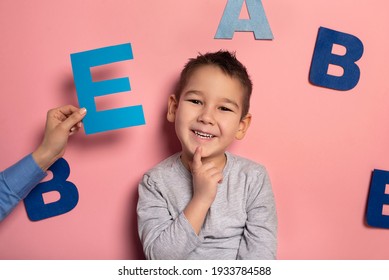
pixel 205 179
pixel 60 124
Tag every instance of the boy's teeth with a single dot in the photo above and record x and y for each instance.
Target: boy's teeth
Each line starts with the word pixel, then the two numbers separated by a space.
pixel 203 135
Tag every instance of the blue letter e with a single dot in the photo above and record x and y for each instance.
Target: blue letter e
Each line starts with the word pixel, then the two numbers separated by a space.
pixel 99 121
pixel 377 199
pixel 323 57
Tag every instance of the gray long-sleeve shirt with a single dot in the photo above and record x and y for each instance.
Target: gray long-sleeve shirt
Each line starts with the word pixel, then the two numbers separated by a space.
pixel 241 223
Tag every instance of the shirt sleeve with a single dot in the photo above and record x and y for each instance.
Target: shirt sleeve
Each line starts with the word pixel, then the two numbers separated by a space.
pixel 259 240
pixel 163 237
pixel 16 182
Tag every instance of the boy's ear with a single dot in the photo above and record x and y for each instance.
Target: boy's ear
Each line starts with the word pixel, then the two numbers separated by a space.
pixel 172 108
pixel 243 126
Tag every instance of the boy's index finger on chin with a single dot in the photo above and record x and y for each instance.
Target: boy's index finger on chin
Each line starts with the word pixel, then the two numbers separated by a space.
pixel 197 158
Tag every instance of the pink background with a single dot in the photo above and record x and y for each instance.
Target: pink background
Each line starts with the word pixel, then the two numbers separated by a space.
pixel 319 145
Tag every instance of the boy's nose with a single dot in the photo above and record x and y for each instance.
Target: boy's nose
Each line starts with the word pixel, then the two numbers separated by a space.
pixel 206 117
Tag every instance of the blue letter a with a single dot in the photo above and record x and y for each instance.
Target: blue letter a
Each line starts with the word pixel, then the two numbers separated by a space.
pixel 257 23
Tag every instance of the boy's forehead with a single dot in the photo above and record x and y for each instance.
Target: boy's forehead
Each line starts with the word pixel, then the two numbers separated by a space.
pixel 212 76
pixel 211 80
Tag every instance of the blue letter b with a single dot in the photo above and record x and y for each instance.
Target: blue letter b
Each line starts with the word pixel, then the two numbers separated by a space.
pixel 323 57
pixel 377 199
pixel 35 206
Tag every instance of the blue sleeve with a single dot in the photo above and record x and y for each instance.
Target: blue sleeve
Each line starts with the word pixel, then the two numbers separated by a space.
pixel 16 182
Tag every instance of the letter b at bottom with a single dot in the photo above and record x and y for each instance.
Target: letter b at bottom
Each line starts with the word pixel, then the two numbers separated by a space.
pixel 35 206
pixel 377 199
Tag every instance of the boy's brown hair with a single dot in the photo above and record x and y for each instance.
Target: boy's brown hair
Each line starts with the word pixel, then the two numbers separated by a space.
pixel 228 63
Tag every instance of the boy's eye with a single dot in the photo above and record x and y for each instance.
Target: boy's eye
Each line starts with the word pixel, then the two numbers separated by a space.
pixel 194 101
pixel 225 109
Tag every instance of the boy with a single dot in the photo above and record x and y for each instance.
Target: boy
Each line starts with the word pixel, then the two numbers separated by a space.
pixel 204 202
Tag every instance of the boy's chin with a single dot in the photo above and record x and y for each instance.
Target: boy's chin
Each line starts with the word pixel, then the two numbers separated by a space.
pixel 191 151
pixel 205 153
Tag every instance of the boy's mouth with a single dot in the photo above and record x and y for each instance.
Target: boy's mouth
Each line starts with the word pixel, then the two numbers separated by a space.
pixel 203 135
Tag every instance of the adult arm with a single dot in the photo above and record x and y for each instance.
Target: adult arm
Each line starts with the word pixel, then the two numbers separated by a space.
pixel 16 182
pixel 61 122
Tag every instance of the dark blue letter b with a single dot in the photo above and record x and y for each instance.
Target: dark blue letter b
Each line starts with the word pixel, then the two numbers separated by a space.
pixel 323 58
pixel 35 206
pixel 378 199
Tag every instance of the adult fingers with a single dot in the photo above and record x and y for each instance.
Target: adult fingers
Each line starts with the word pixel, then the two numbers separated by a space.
pixel 74 119
pixel 67 110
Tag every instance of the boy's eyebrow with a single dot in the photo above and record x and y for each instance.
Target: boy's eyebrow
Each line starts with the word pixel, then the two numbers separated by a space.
pixel 232 102
pixel 226 100
pixel 193 92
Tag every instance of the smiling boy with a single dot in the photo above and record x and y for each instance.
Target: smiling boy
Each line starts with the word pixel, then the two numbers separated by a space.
pixel 204 202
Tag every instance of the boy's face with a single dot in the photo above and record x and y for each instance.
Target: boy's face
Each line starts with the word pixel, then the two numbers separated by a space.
pixel 209 113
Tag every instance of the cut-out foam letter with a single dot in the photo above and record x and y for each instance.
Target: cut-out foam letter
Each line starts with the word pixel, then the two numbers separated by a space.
pixel 100 121
pixel 323 58
pixel 257 23
pixel 34 202
pixel 378 199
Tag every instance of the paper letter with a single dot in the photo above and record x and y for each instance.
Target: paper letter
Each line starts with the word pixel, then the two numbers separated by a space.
pixel 35 206
pixel 323 58
pixel 99 121
pixel 231 23
pixel 377 200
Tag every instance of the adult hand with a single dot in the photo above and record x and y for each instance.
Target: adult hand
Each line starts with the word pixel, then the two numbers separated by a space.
pixel 60 124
